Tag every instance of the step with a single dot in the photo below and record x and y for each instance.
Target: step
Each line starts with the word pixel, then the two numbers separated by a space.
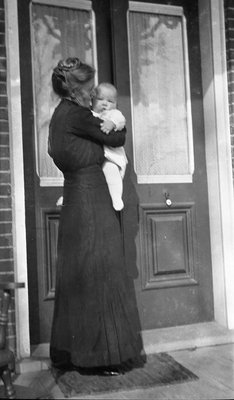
pixel 155 341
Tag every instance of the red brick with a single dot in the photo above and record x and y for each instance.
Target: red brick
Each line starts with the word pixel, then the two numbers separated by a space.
pixel 6 253
pixel 5 202
pixel 230 23
pixel 6 269
pixel 5 190
pixel 4 164
pixel 231 87
pixel 6 240
pixel 3 88
pixel 3 64
pixel 231 76
pixel 5 227
pixel 2 39
pixel 5 177
pixel 6 276
pixel 2 51
pixel 2 15
pixel 4 140
pixel 3 101
pixel 4 151
pixel 4 126
pixel 3 75
pixel 5 215
pixel 232 120
pixel 4 114
pixel 230 61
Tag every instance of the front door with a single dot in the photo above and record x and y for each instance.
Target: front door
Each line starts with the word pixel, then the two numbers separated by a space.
pixel 150 51
pixel 158 75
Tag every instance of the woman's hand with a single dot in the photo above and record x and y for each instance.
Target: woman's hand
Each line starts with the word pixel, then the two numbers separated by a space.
pixel 83 124
pixel 107 126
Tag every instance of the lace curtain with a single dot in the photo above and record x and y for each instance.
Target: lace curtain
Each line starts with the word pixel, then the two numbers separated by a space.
pixel 160 113
pixel 57 32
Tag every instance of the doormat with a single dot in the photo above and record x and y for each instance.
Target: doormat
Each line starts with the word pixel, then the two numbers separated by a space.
pixel 160 369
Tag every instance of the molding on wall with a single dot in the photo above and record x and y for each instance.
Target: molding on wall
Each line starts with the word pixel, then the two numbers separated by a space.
pixel 218 157
pixel 17 176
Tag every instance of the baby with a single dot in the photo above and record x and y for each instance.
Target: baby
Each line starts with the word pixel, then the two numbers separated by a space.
pixel 104 105
pixel 104 102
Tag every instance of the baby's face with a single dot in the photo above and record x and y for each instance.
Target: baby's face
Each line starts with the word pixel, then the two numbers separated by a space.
pixel 105 100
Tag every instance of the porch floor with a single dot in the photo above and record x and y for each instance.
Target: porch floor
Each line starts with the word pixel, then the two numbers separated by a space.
pixel 206 349
pixel 214 365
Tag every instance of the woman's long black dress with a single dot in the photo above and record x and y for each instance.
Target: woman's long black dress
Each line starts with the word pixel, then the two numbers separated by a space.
pixel 94 315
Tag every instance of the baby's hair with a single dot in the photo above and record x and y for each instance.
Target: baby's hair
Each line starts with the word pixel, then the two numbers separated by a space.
pixel 106 85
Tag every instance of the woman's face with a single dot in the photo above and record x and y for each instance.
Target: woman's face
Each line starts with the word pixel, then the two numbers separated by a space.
pixel 86 92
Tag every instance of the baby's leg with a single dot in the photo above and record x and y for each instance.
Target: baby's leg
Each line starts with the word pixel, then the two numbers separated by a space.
pixel 115 184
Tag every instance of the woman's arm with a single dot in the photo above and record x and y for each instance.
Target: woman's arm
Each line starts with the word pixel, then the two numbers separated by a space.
pixel 82 123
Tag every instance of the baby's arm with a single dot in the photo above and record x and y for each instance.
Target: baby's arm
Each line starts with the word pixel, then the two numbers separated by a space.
pixel 116 117
pixel 107 126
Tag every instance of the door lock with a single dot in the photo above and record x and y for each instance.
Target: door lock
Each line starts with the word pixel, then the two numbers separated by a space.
pixel 167 199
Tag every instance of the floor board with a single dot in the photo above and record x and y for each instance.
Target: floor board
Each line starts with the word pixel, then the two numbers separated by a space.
pixel 214 366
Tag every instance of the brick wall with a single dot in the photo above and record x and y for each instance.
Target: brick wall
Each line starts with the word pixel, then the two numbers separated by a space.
pixel 6 242
pixel 229 22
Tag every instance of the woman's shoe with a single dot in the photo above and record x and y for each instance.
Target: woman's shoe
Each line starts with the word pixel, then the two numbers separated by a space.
pixel 101 371
pixel 110 373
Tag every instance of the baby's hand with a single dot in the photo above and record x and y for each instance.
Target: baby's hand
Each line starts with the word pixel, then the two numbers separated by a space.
pixel 107 126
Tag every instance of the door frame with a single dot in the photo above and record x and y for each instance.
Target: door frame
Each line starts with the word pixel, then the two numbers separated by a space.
pixel 218 160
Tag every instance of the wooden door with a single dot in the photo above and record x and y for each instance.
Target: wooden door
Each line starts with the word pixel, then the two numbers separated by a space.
pixel 158 74
pixel 166 247
pixel 50 30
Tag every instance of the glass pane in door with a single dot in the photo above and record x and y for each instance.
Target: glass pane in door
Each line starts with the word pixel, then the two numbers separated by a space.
pixel 161 114
pixel 57 32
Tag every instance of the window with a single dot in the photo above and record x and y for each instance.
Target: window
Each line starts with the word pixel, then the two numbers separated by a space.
pixel 59 29
pixel 160 93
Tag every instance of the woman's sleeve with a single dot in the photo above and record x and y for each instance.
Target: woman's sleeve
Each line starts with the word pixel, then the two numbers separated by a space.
pixel 82 123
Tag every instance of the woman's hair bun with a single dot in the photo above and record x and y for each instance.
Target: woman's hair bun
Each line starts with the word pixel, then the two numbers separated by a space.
pixel 69 64
pixel 69 75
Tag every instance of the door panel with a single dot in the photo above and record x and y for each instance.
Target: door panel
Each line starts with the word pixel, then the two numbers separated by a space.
pixel 172 249
pixel 167 256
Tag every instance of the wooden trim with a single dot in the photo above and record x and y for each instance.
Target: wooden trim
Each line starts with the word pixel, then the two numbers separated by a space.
pixel 79 4
pixel 155 8
pixel 49 181
pixel 17 171
pixel 218 157
pixel 147 179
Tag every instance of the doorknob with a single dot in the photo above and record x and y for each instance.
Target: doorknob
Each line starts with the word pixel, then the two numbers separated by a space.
pixel 59 202
pixel 167 199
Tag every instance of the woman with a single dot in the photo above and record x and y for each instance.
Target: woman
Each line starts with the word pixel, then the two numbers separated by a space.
pixel 94 326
